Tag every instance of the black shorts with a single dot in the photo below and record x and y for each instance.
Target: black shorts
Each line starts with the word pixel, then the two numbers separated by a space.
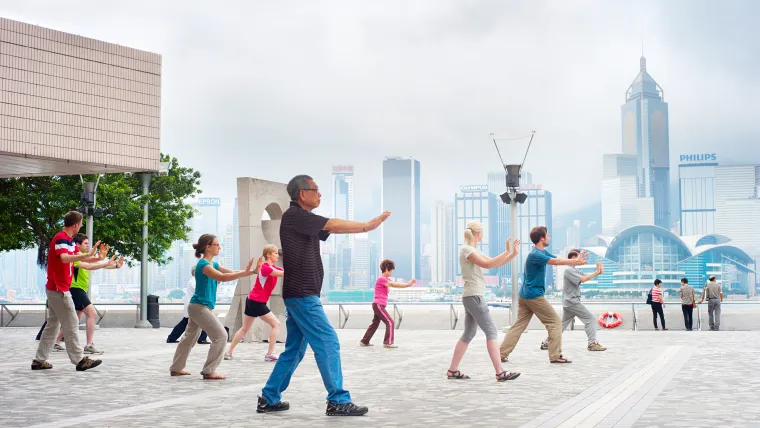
pixel 80 298
pixel 255 309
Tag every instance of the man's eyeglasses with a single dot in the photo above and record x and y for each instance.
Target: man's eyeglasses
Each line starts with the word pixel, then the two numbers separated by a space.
pixel 312 190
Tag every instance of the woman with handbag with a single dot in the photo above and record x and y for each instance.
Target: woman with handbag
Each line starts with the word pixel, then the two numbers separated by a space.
pixel 687 303
pixel 657 301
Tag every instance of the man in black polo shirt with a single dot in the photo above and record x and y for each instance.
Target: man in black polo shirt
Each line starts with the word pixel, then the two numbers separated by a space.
pixel 307 323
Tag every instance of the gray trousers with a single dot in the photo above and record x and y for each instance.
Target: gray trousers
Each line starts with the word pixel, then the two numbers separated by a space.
pixel 201 318
pixel 572 310
pixel 477 315
pixel 61 315
pixel 713 309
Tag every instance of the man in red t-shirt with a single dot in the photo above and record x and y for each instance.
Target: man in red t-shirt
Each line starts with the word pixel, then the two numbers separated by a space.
pixel 62 253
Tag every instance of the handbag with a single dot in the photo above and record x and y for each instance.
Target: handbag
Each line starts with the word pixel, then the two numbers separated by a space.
pixel 649 297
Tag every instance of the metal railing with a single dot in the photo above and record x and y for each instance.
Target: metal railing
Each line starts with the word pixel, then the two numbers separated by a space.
pixel 398 314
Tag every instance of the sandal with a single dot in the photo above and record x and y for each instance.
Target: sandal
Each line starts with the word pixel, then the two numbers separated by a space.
pixel 181 373
pixel 451 374
pixel 213 376
pixel 504 376
pixel 36 365
pixel 561 360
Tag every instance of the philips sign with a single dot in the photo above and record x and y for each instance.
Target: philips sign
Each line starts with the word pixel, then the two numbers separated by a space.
pixel 209 202
pixel 474 188
pixel 704 157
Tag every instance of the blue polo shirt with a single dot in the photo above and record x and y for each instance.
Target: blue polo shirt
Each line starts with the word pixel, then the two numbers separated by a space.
pixel 534 281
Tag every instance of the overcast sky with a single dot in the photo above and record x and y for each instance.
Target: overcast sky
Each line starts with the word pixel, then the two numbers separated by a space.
pixel 273 89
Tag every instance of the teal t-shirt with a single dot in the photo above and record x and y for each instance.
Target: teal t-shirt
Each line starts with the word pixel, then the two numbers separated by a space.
pixel 205 287
pixel 534 281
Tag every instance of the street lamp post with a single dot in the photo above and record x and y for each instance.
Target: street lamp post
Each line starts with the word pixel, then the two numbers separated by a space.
pixel 513 197
pixel 145 179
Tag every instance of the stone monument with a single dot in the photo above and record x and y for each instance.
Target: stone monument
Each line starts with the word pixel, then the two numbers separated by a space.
pixel 256 197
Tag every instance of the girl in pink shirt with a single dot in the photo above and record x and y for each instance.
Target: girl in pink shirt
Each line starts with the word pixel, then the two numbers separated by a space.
pixel 256 303
pixel 382 287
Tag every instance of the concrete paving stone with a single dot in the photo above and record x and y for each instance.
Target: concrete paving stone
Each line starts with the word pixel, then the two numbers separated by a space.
pixel 717 385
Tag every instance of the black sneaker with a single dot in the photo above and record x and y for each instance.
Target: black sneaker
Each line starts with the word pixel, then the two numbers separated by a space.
pixel 263 407
pixel 87 364
pixel 348 409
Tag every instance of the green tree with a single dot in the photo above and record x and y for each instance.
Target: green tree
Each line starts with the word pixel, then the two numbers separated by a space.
pixel 176 294
pixel 32 210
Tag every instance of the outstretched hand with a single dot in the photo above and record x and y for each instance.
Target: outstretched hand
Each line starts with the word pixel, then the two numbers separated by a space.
pixel 112 261
pixel 120 263
pixel 377 221
pixel 411 283
pixel 259 263
pixel 103 251
pixel 509 245
pixel 582 258
pixel 249 267
pixel 516 247
pixel 94 249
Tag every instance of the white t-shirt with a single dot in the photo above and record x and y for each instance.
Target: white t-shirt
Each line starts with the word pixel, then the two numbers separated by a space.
pixel 189 294
pixel 472 274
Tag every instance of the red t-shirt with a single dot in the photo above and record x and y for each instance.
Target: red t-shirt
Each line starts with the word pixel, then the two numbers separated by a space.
pixel 261 293
pixel 381 291
pixel 58 272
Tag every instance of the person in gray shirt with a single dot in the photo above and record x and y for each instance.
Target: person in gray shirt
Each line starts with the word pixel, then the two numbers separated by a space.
pixel 714 296
pixel 571 302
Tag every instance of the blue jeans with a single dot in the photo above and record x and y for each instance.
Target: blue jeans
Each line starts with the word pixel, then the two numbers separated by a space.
pixel 307 324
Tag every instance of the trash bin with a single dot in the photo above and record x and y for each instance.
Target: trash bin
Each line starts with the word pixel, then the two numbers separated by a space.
pixel 153 311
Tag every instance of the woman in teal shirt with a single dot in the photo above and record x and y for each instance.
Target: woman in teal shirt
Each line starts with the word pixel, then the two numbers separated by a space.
pixel 207 274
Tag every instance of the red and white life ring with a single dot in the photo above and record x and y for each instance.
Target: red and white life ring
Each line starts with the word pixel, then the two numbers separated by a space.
pixel 610 320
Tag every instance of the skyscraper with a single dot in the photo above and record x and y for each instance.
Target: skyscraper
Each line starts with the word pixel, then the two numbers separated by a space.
pixel 342 186
pixel 235 237
pixel 621 205
pixel 439 233
pixel 360 277
pixel 206 220
pixel 646 136
pixel 400 237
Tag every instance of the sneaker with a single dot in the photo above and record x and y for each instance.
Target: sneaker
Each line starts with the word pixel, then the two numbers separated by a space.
pixel 544 346
pixel 90 349
pixel 87 364
pixel 271 357
pixel 596 347
pixel 36 365
pixel 58 347
pixel 391 346
pixel 362 344
pixel 263 407
pixel 228 356
pixel 348 409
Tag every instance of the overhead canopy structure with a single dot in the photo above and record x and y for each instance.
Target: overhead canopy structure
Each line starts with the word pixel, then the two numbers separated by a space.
pixel 75 105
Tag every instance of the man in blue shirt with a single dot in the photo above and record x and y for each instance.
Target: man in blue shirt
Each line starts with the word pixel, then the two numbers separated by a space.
pixel 532 300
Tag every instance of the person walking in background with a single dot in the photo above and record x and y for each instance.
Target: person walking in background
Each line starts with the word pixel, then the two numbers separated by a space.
pixel 208 274
pixel 657 304
pixel 714 295
pixel 307 324
pixel 532 300
pixel 477 315
pixel 182 324
pixel 688 301
pixel 61 313
pixel 382 288
pixel 571 302
pixel 256 303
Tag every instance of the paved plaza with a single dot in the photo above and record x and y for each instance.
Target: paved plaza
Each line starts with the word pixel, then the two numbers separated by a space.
pixel 645 379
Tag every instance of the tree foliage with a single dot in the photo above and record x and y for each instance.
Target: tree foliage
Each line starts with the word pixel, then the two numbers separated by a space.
pixel 32 210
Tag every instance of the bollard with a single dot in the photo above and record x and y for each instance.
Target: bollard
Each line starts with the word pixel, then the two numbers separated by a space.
pixel 153 311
